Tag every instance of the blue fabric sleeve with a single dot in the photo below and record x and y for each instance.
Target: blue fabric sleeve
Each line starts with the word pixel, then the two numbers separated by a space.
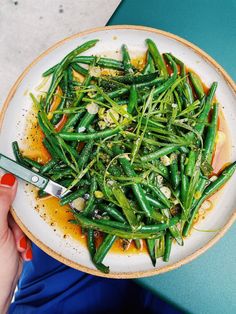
pixel 47 286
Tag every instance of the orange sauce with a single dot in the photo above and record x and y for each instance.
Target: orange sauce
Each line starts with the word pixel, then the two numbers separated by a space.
pixel 33 141
pixel 58 216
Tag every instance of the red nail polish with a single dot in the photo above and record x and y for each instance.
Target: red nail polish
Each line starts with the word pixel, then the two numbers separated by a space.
pixel 8 179
pixel 23 243
pixel 29 254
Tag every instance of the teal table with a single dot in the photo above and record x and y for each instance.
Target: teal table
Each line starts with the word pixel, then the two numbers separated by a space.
pixel 208 284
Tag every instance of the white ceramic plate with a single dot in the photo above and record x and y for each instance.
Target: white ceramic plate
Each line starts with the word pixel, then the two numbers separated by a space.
pixel 13 122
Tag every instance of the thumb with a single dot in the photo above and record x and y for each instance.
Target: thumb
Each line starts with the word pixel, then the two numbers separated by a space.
pixel 8 185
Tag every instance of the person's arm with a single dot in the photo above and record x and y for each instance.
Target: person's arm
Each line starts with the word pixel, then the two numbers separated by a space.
pixel 14 246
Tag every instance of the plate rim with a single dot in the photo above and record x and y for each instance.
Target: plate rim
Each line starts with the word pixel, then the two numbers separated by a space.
pixel 59 257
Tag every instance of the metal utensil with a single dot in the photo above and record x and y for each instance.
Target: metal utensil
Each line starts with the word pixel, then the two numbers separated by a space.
pixel 32 177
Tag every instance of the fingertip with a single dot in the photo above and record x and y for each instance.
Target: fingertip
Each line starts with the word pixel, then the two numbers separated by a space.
pixel 8 179
pixel 27 255
pixel 8 186
pixel 22 244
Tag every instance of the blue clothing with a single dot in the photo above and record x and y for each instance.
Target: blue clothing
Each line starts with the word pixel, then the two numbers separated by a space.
pixel 47 286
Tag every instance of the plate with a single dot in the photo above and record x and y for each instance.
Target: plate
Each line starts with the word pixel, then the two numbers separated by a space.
pixel 13 122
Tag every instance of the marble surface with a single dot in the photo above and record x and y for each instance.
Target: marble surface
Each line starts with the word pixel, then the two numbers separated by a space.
pixel 27 28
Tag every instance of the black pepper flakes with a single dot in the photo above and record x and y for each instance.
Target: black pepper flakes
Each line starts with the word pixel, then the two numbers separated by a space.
pixel 61 8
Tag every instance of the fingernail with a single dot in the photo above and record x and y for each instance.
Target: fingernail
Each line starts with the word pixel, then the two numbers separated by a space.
pixel 8 179
pixel 29 254
pixel 23 243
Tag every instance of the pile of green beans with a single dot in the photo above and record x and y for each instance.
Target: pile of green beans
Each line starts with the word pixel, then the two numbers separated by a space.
pixel 137 145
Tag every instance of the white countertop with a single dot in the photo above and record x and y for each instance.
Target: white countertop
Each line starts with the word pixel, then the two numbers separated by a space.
pixel 27 28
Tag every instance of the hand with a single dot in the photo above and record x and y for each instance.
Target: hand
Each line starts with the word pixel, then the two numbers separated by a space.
pixel 14 246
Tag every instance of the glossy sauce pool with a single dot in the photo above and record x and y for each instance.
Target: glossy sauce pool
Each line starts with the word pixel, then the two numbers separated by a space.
pixel 58 216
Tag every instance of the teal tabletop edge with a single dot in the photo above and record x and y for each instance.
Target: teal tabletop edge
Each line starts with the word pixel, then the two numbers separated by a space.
pixel 207 284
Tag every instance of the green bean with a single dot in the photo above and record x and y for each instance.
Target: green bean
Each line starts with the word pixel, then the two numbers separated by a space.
pixel 57 117
pixel 136 188
pixel 17 154
pixel 32 163
pixel 113 212
pixel 201 185
pixel 85 154
pixel 160 248
pixel 197 84
pixel 69 198
pixel 79 69
pixel 42 194
pixel 110 83
pixel 65 147
pixel 90 203
pixel 103 268
pixel 91 242
pixel 25 161
pixel 149 67
pixel 133 99
pixel 102 62
pixel 188 93
pixel 151 243
pixel 56 148
pixel 182 67
pixel 114 224
pixel 86 121
pixel 156 82
pixel 92 251
pixel 157 58
pixel 72 121
pixel 192 157
pixel 59 167
pixel 159 153
pixel 50 149
pixel 210 190
pixel 184 149
pixel 164 171
pixel 57 74
pixel 126 207
pixel 115 171
pixel 104 248
pixel 70 74
pixel 184 180
pixel 173 229
pixel 155 202
pixel 117 93
pixel 156 190
pixel 146 141
pixel 48 166
pixel 145 232
pixel 86 82
pixel 135 79
pixel 174 171
pixel 219 182
pixel 168 244
pixel 168 83
pixel 49 71
pixel 138 243
pixel 204 114
pixel 209 142
pixel 106 190
pixel 84 137
pixel 202 119
pixel 58 175
pixel 126 60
